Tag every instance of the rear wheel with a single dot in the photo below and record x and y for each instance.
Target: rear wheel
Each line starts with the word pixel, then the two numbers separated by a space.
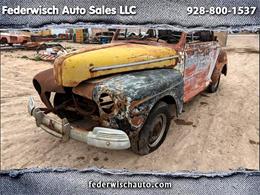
pixel 154 130
pixel 24 42
pixel 213 87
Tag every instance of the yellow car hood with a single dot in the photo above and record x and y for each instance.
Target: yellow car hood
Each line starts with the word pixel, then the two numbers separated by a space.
pixel 75 67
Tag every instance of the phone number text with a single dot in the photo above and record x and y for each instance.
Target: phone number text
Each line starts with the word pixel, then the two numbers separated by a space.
pixel 221 10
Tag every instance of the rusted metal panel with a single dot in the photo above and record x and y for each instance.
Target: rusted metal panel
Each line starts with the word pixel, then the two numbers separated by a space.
pixel 44 83
pixel 133 95
pixel 200 61
pixel 85 89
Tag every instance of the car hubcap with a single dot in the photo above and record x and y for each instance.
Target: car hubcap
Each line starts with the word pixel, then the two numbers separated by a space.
pixel 158 130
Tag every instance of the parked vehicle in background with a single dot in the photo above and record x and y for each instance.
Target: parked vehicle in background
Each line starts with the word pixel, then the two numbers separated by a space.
pixel 124 94
pixel 14 37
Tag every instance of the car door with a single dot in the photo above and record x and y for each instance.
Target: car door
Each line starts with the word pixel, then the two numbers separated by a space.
pixel 200 55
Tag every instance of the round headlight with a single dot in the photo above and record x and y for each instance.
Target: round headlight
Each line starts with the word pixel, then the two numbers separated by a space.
pixel 106 103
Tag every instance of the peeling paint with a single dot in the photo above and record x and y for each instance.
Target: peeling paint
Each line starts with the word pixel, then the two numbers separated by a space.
pixel 124 100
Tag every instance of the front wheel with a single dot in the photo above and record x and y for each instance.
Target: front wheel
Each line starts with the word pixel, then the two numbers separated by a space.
pixel 154 130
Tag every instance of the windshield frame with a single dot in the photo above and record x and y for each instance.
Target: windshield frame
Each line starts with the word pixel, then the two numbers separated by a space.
pixel 178 46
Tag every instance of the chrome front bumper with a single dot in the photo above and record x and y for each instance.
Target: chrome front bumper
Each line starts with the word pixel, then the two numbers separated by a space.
pixel 99 137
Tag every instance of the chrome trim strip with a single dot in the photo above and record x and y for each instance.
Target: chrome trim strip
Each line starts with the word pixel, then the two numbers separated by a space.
pixel 100 137
pixel 93 69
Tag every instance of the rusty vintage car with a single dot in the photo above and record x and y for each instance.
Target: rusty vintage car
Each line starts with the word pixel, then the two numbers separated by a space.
pixel 14 37
pixel 124 94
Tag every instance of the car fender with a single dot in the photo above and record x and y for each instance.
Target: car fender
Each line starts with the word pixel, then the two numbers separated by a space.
pixel 134 95
pixel 44 83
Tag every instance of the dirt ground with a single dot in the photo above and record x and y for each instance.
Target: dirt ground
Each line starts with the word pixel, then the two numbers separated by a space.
pixel 216 132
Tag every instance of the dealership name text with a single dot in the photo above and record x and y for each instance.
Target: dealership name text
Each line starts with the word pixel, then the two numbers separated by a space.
pixel 77 10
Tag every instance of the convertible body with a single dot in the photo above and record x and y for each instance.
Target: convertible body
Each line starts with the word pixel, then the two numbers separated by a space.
pixel 110 95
